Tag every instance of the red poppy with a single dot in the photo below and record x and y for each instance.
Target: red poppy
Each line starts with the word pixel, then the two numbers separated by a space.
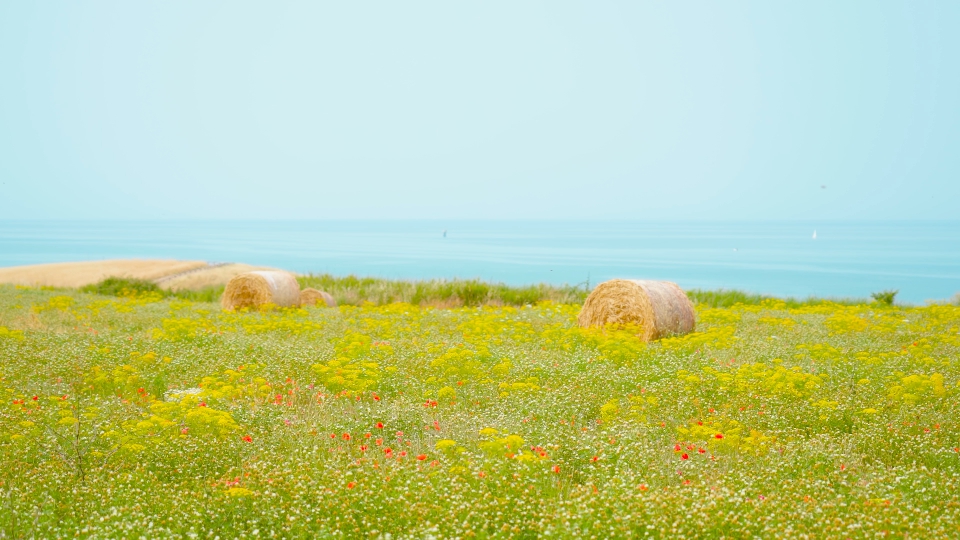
pixel 379 425
pixel 35 398
pixel 379 442
pixel 366 435
pixel 701 450
pixel 333 435
pixel 685 456
pixel 346 436
pixel 421 457
pixel 351 485
pixel 246 438
pixel 399 434
pixel 676 448
pixel 718 436
pixel 363 448
pixel 556 469
pixel 403 453
pixel 594 459
pixel 388 450
pixel 202 404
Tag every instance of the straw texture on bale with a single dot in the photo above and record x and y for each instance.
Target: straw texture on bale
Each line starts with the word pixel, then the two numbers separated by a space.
pixel 254 289
pixel 313 297
pixel 659 308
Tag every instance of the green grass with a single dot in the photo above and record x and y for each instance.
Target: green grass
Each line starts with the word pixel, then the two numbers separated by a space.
pixel 120 286
pixel 159 417
pixel 727 298
pixel 354 291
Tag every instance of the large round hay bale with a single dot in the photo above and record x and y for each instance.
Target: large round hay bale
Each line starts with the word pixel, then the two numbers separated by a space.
pixel 659 308
pixel 313 297
pixel 255 289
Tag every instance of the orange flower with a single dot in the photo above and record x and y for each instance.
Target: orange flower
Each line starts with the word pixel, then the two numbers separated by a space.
pixel 421 457
pixel 351 485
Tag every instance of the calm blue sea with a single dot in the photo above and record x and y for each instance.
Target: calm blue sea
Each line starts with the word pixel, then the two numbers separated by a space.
pixel 846 259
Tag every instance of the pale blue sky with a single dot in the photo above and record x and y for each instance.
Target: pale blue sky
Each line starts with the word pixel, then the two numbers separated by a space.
pixel 650 110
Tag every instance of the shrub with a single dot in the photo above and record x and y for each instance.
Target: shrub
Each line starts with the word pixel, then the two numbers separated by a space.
pixel 884 297
pixel 120 286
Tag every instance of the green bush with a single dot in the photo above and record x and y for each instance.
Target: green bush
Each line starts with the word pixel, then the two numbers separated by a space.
pixel 884 297
pixel 118 286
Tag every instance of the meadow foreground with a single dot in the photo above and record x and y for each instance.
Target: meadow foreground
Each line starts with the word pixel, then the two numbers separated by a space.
pixel 140 415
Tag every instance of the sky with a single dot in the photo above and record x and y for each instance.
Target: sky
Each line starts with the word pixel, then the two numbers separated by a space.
pixel 480 110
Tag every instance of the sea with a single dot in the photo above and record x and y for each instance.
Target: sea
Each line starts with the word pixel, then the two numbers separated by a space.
pixel 839 259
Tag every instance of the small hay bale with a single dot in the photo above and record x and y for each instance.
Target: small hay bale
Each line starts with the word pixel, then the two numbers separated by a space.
pixel 660 308
pixel 255 289
pixel 312 297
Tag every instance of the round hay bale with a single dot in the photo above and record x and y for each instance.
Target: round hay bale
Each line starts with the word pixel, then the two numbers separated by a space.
pixel 312 297
pixel 255 289
pixel 659 308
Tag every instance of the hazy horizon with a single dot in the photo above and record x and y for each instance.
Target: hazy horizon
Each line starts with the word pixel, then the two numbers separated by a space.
pixel 846 259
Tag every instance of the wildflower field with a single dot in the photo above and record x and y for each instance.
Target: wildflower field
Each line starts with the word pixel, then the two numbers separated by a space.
pixel 145 416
